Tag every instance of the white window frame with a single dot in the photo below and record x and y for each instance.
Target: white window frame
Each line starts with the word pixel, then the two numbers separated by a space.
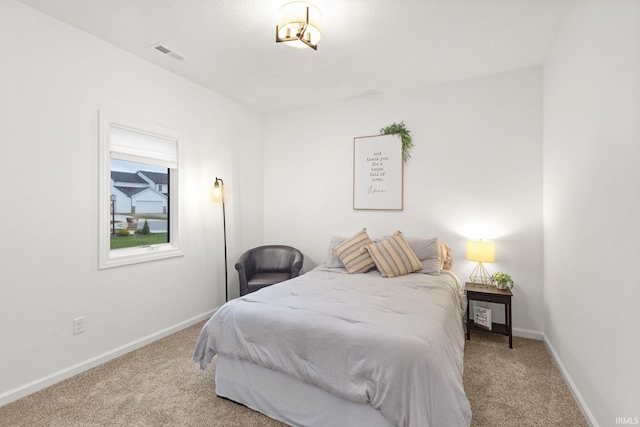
pixel 108 258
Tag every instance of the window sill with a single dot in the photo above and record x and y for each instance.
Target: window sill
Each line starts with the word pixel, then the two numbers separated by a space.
pixel 122 257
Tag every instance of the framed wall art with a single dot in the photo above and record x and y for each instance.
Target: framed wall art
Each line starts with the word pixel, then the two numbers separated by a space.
pixel 377 173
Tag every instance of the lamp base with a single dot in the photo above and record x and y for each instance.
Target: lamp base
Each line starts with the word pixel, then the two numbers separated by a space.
pixel 480 277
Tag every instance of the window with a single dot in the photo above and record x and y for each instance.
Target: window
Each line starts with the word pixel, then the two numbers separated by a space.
pixel 139 207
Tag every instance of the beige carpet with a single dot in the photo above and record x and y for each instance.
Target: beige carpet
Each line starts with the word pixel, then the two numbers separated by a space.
pixel 518 387
pixel 158 385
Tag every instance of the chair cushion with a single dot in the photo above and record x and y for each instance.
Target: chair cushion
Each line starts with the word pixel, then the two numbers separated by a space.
pixel 261 279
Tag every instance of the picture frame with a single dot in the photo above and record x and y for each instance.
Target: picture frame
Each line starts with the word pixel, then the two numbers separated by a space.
pixel 378 170
pixel 482 318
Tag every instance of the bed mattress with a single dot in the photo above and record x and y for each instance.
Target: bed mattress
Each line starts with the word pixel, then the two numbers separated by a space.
pixel 288 399
pixel 395 344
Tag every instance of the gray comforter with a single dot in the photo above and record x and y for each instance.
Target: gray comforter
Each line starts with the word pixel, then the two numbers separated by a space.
pixel 395 343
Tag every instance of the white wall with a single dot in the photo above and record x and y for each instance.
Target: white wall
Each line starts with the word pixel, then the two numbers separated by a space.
pixel 475 172
pixel 53 80
pixel 591 201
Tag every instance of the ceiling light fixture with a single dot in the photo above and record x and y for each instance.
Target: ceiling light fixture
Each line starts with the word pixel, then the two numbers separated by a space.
pixel 299 24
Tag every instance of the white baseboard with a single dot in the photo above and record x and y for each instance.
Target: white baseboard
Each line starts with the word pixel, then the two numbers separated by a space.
pixel 63 374
pixel 572 386
pixel 526 333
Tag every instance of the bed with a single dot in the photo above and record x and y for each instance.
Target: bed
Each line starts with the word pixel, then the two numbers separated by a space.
pixel 330 348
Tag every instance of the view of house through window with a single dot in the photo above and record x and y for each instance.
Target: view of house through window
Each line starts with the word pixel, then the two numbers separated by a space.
pixel 139 204
pixel 139 193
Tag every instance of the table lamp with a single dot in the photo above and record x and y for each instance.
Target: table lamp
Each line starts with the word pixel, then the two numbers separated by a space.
pixel 481 251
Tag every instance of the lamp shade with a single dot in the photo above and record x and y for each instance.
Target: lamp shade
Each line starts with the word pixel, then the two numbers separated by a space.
pixel 299 24
pixel 481 251
pixel 217 190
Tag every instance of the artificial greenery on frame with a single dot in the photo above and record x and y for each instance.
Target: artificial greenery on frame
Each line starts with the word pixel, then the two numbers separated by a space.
pixel 404 133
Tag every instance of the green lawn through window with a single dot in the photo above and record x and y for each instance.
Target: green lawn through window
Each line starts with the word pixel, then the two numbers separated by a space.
pixel 134 240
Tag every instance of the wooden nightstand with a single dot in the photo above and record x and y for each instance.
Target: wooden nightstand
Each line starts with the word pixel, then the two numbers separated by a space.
pixel 494 295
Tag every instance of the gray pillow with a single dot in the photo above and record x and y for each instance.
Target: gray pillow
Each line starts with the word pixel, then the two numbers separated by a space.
pixel 428 252
pixel 332 258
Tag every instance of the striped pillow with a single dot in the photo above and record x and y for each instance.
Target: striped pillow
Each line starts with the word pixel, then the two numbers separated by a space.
pixel 393 256
pixel 354 258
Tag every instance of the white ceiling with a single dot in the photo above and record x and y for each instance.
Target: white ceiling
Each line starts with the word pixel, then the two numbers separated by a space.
pixel 368 46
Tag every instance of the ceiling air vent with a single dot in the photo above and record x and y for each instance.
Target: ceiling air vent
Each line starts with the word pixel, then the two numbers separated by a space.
pixel 165 50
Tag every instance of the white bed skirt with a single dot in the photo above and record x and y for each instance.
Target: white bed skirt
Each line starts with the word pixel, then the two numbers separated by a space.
pixel 288 399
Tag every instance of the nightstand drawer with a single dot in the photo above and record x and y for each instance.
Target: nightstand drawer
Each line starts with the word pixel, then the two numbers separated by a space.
pixel 487 298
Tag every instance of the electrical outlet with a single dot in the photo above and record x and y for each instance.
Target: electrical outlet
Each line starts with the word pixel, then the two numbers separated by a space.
pixel 78 325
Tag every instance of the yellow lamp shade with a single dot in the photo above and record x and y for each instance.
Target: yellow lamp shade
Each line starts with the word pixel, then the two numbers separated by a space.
pixel 481 251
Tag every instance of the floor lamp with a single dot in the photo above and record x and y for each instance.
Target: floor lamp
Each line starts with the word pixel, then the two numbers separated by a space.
pixel 218 191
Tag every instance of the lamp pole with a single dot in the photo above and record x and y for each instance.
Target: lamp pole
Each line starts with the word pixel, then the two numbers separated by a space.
pixel 113 214
pixel 219 189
